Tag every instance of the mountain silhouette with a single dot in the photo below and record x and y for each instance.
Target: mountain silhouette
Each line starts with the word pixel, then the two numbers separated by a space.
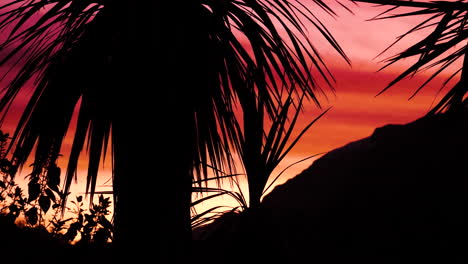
pixel 397 196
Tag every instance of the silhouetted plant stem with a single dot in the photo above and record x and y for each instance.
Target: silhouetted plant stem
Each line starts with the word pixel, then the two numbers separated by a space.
pixel 253 116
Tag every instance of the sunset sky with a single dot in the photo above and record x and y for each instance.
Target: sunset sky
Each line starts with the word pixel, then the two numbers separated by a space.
pixel 356 111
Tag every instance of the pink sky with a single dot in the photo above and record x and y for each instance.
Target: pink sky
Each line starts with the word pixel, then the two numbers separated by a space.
pixel 356 111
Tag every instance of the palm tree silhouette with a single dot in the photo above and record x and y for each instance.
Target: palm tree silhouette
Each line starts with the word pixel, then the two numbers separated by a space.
pixel 442 48
pixel 159 82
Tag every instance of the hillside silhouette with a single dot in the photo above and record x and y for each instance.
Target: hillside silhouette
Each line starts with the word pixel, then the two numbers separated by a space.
pixel 396 196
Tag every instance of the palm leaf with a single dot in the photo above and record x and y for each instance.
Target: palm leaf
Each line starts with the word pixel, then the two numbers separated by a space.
pixel 437 49
pixel 285 169
pixel 66 51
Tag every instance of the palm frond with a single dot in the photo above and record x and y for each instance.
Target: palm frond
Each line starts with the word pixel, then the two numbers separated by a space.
pixel 438 49
pixel 209 216
pixel 72 50
pixel 263 147
pixel 237 196
pixel 285 169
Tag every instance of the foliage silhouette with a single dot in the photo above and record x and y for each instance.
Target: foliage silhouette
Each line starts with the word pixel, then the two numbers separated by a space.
pixel 438 50
pixel 93 227
pixel 103 57
pixel 45 197
pixel 42 190
pixel 208 216
pixel 263 145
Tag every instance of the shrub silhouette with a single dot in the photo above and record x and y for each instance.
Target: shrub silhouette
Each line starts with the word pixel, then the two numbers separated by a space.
pixel 38 216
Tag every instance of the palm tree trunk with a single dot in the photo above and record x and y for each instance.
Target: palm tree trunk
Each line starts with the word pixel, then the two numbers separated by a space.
pixel 153 147
pixel 153 184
